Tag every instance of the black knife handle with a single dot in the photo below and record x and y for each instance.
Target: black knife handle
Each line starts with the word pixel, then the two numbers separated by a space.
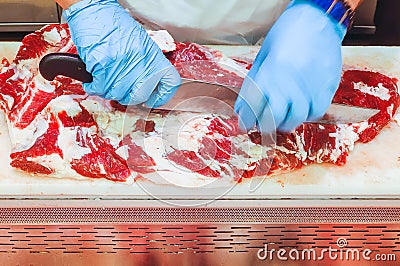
pixel 69 65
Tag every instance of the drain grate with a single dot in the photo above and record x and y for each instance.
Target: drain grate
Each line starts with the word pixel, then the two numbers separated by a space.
pixel 189 238
pixel 273 215
pixel 152 236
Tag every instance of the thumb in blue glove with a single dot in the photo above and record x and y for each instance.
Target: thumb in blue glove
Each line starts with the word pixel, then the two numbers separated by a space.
pixel 126 64
pixel 296 72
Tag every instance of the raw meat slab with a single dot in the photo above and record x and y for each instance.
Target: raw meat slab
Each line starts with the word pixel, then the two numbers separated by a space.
pixel 362 176
pixel 212 173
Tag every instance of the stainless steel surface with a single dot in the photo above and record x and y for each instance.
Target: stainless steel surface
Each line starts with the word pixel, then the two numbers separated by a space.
pixel 212 215
pixel 197 236
pixel 25 15
pixel 364 18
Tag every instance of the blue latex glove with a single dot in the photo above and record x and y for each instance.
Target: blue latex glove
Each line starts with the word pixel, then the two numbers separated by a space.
pixel 296 73
pixel 126 64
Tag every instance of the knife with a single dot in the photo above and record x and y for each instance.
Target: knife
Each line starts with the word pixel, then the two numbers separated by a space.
pixel 194 95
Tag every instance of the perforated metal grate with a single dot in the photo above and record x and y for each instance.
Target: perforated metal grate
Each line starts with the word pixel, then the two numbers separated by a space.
pixel 193 238
pixel 204 215
pixel 146 240
pixel 153 236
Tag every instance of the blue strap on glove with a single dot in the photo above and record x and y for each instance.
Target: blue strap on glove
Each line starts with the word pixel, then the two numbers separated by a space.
pixel 296 73
pixel 126 64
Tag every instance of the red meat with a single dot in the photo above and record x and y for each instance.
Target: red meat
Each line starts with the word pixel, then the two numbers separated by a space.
pixel 200 63
pixel 44 145
pixel 26 99
pixel 102 161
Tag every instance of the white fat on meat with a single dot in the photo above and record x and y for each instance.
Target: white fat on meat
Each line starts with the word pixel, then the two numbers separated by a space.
pixel 43 84
pixel 63 34
pixel 321 153
pixel 232 66
pixel 390 110
pixel 184 132
pixel 96 104
pixel 23 139
pixel 170 171
pixel 254 151
pixel 163 39
pixel 52 161
pixel 345 137
pixel 67 143
pixel 53 36
pixel 301 153
pixel 65 103
pixel 109 123
pixel 71 150
pixel 188 135
pixel 112 125
pixel 3 67
pixel 67 47
pixel 181 131
pixel 23 70
pixel 380 91
pixel 61 167
pixel 9 100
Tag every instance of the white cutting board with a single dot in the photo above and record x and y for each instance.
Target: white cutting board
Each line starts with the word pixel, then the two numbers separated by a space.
pixel 372 170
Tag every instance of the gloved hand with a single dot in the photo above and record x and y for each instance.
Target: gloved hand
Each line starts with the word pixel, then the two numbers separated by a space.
pixel 295 74
pixel 126 64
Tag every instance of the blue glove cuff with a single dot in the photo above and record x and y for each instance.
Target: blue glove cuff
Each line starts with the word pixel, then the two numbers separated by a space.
pixel 337 9
pixel 81 4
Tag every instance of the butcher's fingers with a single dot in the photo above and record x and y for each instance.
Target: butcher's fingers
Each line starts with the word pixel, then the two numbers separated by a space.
pixel 126 64
pixel 249 104
pixel 155 89
pixel 166 88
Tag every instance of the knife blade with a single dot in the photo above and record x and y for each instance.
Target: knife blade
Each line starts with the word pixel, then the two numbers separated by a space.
pixel 195 95
pixel 205 97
